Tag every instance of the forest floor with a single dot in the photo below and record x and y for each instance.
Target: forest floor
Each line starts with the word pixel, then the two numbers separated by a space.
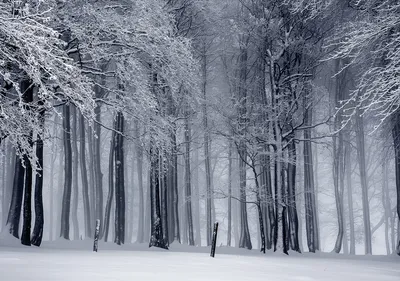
pixel 75 261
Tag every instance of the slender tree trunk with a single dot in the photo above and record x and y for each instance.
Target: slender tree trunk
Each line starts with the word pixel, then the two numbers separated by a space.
pixel 386 203
pixel 119 182
pixel 92 180
pixel 188 184
pixel 75 166
pixel 347 154
pixel 66 202
pixel 197 198
pixel 292 209
pixel 139 154
pixel 206 149
pixel 107 215
pixel 396 137
pixel 85 184
pixel 132 193
pixel 164 197
pixel 309 188
pixel 98 175
pixel 364 184
pixel 147 214
pixel 27 214
pixel 9 163
pixel 228 243
pixel 338 164
pixel 51 187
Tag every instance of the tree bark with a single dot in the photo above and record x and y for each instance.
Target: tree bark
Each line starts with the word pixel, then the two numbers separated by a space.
pixel 119 182
pixel 14 213
pixel 363 179
pixel 229 236
pixel 107 215
pixel 156 238
pixel 66 201
pixel 27 214
pixel 85 184
pixel 309 188
pixel 396 143
pixel 347 155
pixel 188 184
pixel 75 166
pixel 139 165
pixel 37 234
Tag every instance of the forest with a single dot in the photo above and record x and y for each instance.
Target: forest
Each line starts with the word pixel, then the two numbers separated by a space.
pixel 279 119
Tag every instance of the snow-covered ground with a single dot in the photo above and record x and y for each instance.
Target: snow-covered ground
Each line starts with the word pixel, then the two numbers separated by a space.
pixel 74 261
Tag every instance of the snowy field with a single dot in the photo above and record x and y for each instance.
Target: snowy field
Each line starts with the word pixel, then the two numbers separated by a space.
pixel 53 262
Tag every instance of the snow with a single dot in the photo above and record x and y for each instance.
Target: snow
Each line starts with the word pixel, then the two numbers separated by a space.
pixel 65 260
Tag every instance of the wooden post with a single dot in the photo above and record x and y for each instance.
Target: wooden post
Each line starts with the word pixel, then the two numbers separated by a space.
pixel 214 239
pixel 96 236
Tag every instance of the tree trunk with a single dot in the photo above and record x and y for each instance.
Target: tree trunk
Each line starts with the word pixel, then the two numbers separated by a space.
pixel 9 163
pixel 292 209
pixel 157 237
pixel 228 243
pixel 197 198
pixel 396 143
pixel 75 166
pixel 85 184
pixel 363 179
pixel 92 180
pixel 107 215
pixel 188 184
pixel 27 215
pixel 139 154
pixel 206 149
pixel 98 175
pixel 14 213
pixel 66 201
pixel 347 155
pixel 386 203
pixel 119 182
pixel 309 188
pixel 338 164
pixel 164 197
pixel 37 234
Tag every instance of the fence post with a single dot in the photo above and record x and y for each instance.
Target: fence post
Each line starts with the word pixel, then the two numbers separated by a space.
pixel 214 239
pixel 96 236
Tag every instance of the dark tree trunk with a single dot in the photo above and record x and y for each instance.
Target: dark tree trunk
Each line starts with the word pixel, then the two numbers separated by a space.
pixel 164 197
pixel 156 235
pixel 107 215
pixel 66 201
pixel 27 215
pixel 14 213
pixel 85 184
pixel 37 234
pixel 173 220
pixel 396 142
pixel 188 184
pixel 244 240
pixel 363 179
pixel 119 182
pixel 97 168
pixel 292 209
